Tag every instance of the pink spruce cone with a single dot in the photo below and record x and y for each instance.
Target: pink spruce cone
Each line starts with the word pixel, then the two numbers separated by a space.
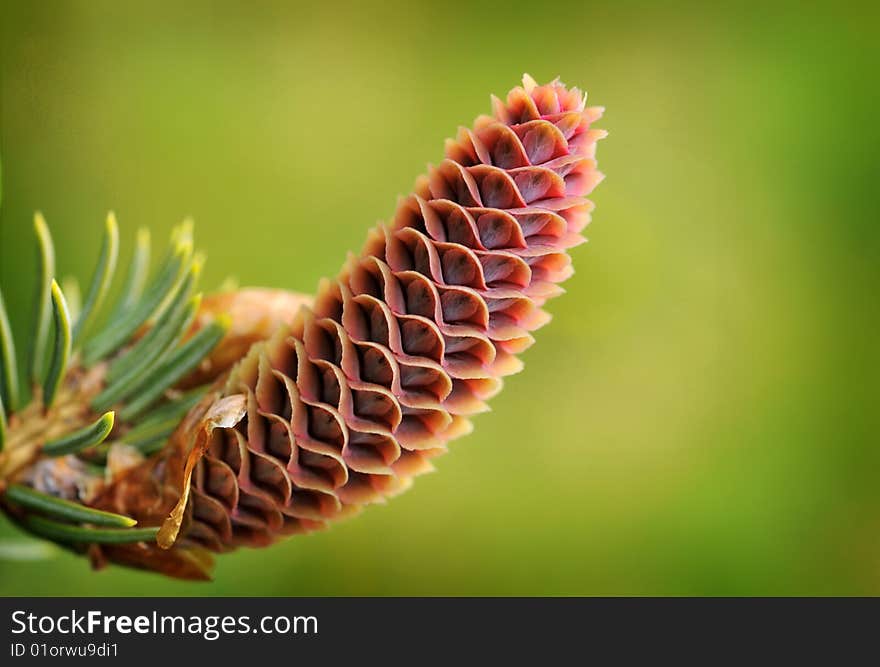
pixel 353 400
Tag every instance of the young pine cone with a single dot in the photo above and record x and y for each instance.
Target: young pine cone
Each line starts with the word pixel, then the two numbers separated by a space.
pixel 348 402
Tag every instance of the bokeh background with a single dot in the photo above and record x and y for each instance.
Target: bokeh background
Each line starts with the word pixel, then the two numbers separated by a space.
pixel 701 415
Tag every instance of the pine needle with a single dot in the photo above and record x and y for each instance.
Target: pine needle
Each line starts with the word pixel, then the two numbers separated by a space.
pixel 73 294
pixel 58 508
pixel 89 436
pixel 43 300
pixel 62 532
pixel 61 348
pixel 103 276
pixel 136 278
pixel 8 368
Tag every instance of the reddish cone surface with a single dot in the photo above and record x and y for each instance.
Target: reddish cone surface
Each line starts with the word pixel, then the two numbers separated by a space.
pixel 352 401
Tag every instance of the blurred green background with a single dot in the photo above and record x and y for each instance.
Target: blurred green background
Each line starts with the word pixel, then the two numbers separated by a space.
pixel 700 417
